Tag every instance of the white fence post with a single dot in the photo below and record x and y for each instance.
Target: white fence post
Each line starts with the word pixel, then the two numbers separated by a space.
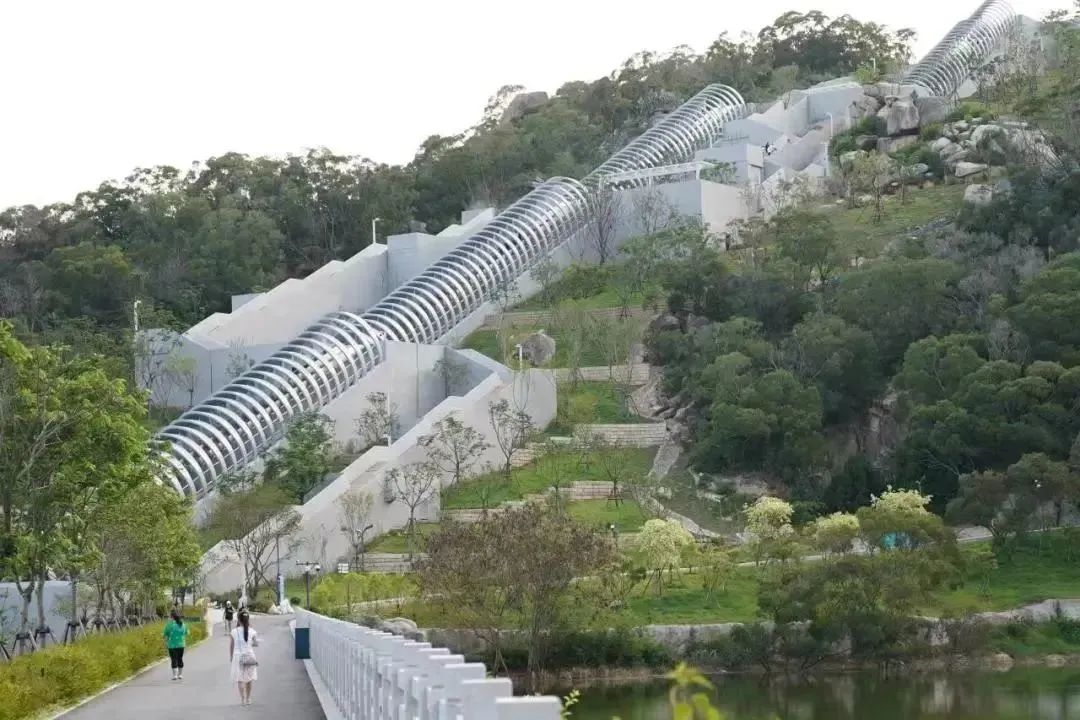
pixel 374 675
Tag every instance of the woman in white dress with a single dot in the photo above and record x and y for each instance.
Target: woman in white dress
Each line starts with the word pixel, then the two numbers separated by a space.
pixel 245 667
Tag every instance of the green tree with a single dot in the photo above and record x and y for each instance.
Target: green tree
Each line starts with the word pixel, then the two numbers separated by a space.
pixel 808 240
pixel 70 438
pixel 660 546
pixel 897 302
pixel 840 359
pixel 302 462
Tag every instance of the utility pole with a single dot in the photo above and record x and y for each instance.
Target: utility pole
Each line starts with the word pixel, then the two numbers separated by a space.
pixel 374 236
pixel 135 314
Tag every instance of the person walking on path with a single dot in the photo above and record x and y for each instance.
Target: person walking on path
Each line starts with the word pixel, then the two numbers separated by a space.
pixel 229 613
pixel 175 635
pixel 244 665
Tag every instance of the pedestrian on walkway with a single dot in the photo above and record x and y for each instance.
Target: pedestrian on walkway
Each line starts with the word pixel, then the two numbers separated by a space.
pixel 229 614
pixel 175 635
pixel 244 665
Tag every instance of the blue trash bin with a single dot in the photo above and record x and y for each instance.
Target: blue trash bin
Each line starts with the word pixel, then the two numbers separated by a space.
pixel 302 641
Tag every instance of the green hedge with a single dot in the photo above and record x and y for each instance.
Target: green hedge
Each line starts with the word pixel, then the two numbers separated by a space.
pixel 64 674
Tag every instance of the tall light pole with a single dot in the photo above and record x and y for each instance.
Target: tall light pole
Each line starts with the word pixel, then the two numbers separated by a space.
pixel 360 546
pixel 828 144
pixel 309 568
pixel 374 237
pixel 135 313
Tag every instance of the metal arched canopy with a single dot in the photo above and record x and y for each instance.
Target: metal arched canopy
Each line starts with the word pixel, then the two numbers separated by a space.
pixel 230 429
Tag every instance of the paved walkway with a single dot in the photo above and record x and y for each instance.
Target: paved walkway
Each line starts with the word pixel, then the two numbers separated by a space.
pixel 282 690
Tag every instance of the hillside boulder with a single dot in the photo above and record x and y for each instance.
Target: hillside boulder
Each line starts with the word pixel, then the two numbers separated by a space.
pixel 967 169
pixel 538 349
pixel 889 145
pixel 978 195
pixel 900 116
pixel 933 109
pixel 523 104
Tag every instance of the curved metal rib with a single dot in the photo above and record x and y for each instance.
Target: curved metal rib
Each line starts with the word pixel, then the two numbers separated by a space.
pixel 963 49
pixel 229 430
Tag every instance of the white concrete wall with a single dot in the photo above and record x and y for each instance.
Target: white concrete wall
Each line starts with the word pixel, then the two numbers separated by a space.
pixel 262 323
pixel 57 610
pixel 320 538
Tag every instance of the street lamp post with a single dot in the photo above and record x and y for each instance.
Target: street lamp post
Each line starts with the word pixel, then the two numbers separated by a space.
pixel 374 237
pixel 135 314
pixel 360 546
pixel 277 553
pixel 309 568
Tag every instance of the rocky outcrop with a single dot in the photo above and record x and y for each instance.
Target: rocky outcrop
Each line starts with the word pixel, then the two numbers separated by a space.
pixel 967 169
pixel 900 116
pixel 522 105
pixel 538 349
pixel 978 195
pixel 933 109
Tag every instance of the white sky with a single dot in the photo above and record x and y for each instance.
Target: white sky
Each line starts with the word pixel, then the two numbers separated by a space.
pixel 92 90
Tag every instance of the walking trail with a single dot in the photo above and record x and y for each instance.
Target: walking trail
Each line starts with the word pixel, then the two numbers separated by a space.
pixel 282 690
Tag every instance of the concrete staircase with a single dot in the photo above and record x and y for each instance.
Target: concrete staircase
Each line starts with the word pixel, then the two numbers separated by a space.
pixel 577 491
pixel 635 375
pixel 640 435
pixel 540 318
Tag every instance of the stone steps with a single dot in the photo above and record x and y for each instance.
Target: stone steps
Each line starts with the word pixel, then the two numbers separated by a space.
pixel 633 375
pixel 577 491
pixel 640 435
pixel 544 317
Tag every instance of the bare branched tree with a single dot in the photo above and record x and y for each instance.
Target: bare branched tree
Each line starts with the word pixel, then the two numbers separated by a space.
pixel 413 485
pixel 379 423
pixel 605 214
pixel 454 447
pixel 354 514
pixel 510 428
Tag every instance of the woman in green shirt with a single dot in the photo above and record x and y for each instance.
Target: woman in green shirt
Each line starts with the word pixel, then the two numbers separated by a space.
pixel 175 635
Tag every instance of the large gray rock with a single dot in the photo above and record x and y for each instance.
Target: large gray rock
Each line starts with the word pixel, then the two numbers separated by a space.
pixel 983 131
pixel 933 109
pixel 848 159
pixel 538 348
pixel 978 195
pixel 866 142
pixel 522 105
pixel 866 106
pixel 967 169
pixel 940 144
pixel 900 116
pixel 894 144
pixel 663 322
pixel 963 155
pixel 400 626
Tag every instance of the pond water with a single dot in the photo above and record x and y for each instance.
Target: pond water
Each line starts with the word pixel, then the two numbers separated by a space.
pixel 1020 694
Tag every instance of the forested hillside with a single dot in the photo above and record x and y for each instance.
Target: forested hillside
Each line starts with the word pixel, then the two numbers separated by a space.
pixel 184 240
pixel 962 331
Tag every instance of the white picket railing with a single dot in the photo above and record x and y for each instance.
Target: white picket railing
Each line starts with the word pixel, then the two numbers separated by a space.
pixel 373 675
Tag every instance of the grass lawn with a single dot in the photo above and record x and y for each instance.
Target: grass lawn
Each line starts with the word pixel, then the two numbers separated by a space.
pixel 397 541
pixel 857 231
pixel 684 601
pixel 601 402
pixel 626 516
pixel 486 342
pixel 491 489
pixel 706 513
pixel 603 300
pixel 1040 568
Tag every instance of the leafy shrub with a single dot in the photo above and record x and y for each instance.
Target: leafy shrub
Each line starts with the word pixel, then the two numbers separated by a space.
pixel 931 132
pixel 970 110
pixel 626 647
pixel 63 674
pixel 336 591
pixel 583 281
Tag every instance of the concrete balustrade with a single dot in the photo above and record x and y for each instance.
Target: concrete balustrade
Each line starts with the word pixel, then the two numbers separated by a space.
pixel 374 675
